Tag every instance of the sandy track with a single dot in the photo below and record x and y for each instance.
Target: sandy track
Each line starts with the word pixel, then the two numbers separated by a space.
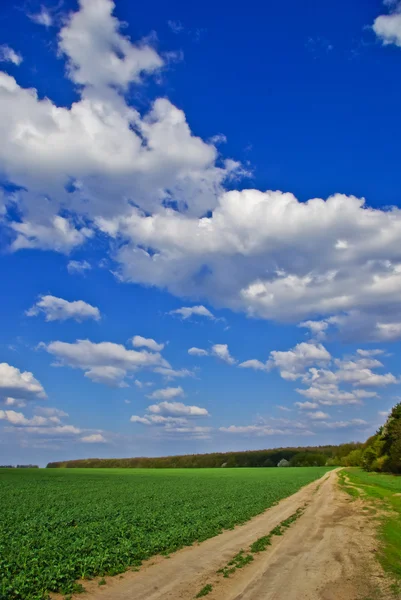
pixel 327 554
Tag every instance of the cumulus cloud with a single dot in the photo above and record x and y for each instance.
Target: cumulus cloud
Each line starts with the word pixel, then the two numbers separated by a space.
pixel 177 409
pixel 58 309
pixel 388 27
pixel 103 362
pixel 14 402
pixel 316 328
pixel 186 312
pixel 7 54
pixel 57 233
pixel 167 393
pixel 148 183
pixel 222 352
pixel 57 431
pixel 198 352
pixel 94 438
pixel 255 364
pixel 19 384
pixel 108 375
pixel 318 415
pixel 140 342
pixel 97 53
pixel 174 418
pixel 78 266
pixel 17 418
pixel 306 405
pixel 292 363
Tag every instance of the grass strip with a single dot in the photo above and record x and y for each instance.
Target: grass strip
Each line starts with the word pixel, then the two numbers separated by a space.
pixel 205 591
pixel 384 492
pixel 242 558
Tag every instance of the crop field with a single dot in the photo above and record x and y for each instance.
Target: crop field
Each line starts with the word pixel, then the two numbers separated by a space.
pixel 58 526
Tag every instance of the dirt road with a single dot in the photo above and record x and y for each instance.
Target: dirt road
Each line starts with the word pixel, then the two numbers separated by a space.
pixel 327 554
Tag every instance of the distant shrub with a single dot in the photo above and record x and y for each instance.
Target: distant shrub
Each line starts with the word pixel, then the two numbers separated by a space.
pixel 353 459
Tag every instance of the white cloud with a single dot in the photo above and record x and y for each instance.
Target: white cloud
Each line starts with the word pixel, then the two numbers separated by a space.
pixel 78 266
pixel 173 418
pixel 43 17
pixel 94 438
pixel 58 431
pixel 142 420
pixel 331 395
pixel 177 409
pixel 384 413
pixel 222 352
pixel 186 312
pixel 107 375
pixel 140 384
pixel 316 328
pixel 318 415
pixel 219 138
pixel 173 373
pixel 188 431
pixel 14 402
pixel 167 393
pixel 356 373
pixel 198 352
pixel 284 408
pixel 7 54
pixel 49 411
pixel 140 342
pixel 17 418
pixel 292 363
pixel 147 182
pixel 97 53
pixel 251 430
pixel 368 353
pixel 388 27
pixel 17 384
pixel 306 405
pixel 345 424
pixel 103 362
pixel 255 364
pixel 57 309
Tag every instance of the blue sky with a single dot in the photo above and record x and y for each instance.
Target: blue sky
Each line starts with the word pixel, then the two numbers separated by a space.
pixel 199 226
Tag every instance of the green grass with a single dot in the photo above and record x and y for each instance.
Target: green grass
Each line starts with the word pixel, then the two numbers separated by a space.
pixel 204 591
pixel 239 561
pixel 381 489
pixel 61 525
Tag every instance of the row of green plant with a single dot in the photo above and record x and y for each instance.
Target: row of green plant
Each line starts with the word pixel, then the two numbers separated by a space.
pixel 61 525
pixel 382 451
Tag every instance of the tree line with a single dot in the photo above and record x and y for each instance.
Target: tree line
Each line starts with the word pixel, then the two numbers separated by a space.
pixel 296 456
pixel 382 451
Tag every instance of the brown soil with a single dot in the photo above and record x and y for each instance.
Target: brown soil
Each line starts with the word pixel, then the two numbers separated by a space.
pixel 327 554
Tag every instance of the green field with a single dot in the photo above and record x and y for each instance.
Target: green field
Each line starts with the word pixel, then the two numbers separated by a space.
pixel 57 526
pixel 384 494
